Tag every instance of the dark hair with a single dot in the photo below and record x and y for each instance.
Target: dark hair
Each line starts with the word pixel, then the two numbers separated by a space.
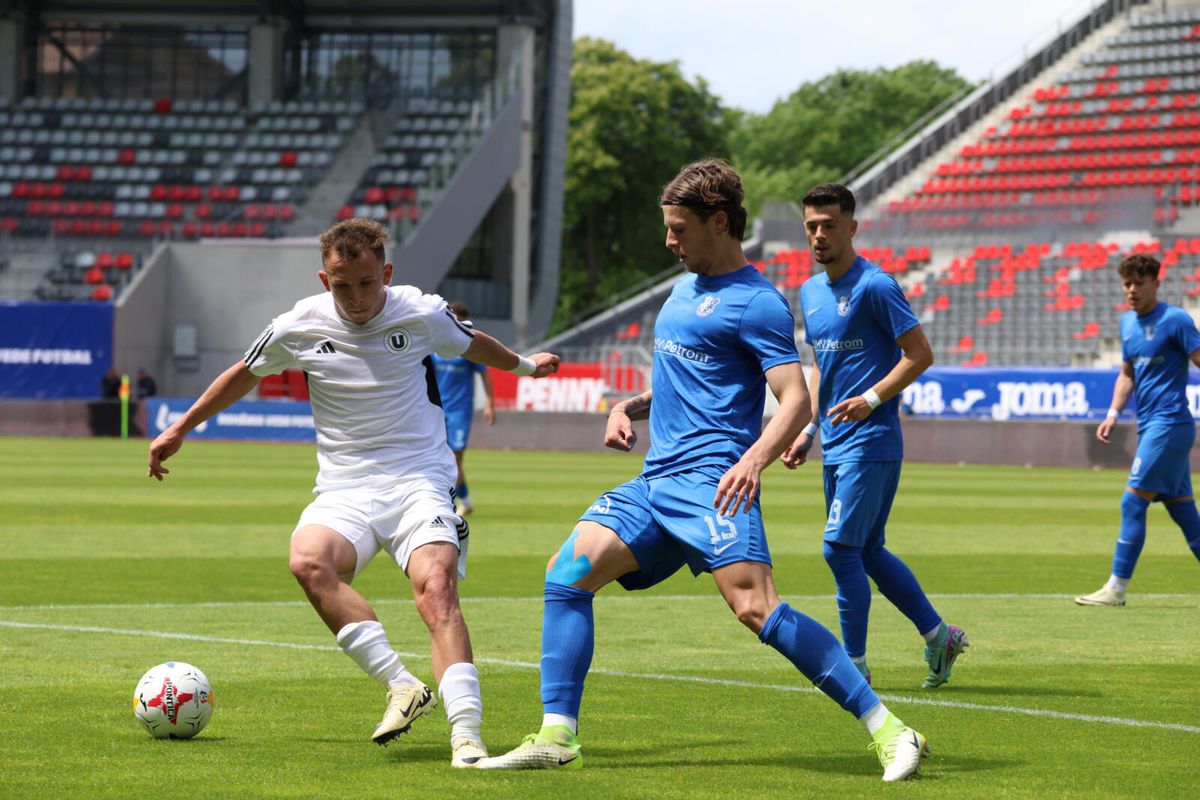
pixel 706 187
pixel 1139 264
pixel 460 309
pixel 351 237
pixel 830 194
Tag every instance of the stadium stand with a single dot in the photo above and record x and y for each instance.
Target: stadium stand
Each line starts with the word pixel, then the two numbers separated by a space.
pixel 1006 239
pixel 131 129
pixel 417 146
pixel 1122 128
pixel 1041 304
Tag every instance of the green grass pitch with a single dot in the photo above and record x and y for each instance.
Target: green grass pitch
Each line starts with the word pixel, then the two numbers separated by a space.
pixel 104 573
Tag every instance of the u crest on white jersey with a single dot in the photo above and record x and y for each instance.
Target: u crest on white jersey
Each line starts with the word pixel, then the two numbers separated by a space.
pixel 397 340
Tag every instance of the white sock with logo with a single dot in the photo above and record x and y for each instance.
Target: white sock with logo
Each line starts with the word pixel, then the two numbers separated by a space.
pixel 459 691
pixel 367 644
pixel 561 719
pixel 873 720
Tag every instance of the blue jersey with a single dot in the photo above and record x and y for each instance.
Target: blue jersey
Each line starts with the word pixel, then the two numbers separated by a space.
pixel 1158 347
pixel 852 325
pixel 456 383
pixel 713 340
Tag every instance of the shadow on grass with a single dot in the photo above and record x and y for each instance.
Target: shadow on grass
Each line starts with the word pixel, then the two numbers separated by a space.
pixel 965 693
pixel 849 764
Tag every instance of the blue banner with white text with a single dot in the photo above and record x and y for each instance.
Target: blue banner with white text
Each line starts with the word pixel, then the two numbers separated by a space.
pixel 282 420
pixel 54 350
pixel 1023 393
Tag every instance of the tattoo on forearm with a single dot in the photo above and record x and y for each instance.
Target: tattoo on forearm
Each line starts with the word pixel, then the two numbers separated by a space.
pixel 636 405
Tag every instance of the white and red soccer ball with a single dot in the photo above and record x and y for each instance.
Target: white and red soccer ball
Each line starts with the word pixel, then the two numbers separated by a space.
pixel 173 701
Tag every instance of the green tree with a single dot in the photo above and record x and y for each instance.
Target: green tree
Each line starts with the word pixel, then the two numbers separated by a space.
pixel 827 127
pixel 632 124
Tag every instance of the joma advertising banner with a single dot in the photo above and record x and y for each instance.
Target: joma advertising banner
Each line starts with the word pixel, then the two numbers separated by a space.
pixel 1034 393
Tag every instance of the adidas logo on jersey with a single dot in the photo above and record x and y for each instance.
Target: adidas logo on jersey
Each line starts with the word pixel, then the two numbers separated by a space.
pixel 438 522
pixel 326 347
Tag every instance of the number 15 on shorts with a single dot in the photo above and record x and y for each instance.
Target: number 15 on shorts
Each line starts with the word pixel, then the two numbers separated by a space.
pixel 720 529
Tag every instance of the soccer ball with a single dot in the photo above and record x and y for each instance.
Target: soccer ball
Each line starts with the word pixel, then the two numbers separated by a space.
pixel 173 701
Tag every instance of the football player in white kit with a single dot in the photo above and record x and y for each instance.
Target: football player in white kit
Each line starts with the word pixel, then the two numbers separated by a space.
pixel 385 473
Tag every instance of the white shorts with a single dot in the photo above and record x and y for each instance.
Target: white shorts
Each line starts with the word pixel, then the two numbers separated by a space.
pixel 398 520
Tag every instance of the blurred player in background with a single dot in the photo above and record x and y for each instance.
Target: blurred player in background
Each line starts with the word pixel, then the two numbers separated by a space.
pixel 1157 342
pixel 723 336
pixel 456 383
pixel 868 346
pixel 385 474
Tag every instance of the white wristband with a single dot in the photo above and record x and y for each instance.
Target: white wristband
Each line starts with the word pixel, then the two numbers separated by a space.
pixel 810 429
pixel 525 366
pixel 1113 413
pixel 872 399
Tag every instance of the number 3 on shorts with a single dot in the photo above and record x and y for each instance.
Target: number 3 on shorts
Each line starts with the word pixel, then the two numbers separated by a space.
pixel 835 514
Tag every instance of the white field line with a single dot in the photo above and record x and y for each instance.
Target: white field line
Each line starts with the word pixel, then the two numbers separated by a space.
pixel 603 598
pixel 654 676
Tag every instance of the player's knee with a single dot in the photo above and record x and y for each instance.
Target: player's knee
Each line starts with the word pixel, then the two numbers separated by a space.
pixel 566 567
pixel 437 599
pixel 842 559
pixel 1133 506
pixel 751 612
pixel 310 569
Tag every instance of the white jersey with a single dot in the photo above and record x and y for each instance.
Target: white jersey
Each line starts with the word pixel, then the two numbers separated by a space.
pixel 374 397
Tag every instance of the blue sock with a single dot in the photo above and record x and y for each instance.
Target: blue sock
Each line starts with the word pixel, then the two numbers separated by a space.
pixel 898 584
pixel 568 636
pixel 1133 535
pixel 816 653
pixel 853 595
pixel 1185 516
pixel 461 493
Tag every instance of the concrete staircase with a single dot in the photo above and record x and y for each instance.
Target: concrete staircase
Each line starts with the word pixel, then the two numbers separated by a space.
pixel 331 193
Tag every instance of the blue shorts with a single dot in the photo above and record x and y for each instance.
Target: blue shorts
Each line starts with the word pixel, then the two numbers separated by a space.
pixel 858 499
pixel 670 521
pixel 458 429
pixel 1162 463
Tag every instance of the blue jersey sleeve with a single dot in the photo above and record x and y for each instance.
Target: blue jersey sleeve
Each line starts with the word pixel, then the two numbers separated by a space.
pixel 768 330
pixel 477 367
pixel 1186 334
pixel 804 292
pixel 889 306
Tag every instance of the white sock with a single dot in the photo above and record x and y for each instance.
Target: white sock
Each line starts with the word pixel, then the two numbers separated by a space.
pixel 1117 584
pixel 858 660
pixel 561 719
pixel 367 644
pixel 459 691
pixel 874 719
pixel 932 634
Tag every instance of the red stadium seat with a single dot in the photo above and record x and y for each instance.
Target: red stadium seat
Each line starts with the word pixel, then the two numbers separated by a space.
pixel 102 293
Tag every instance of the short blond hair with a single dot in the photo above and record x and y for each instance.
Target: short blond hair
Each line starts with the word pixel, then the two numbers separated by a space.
pixel 349 238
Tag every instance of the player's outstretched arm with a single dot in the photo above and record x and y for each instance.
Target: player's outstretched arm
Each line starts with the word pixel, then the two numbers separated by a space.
pixel 489 394
pixel 1122 390
pixel 619 433
pixel 230 386
pixel 487 350
pixel 797 453
pixel 739 486
pixel 915 358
